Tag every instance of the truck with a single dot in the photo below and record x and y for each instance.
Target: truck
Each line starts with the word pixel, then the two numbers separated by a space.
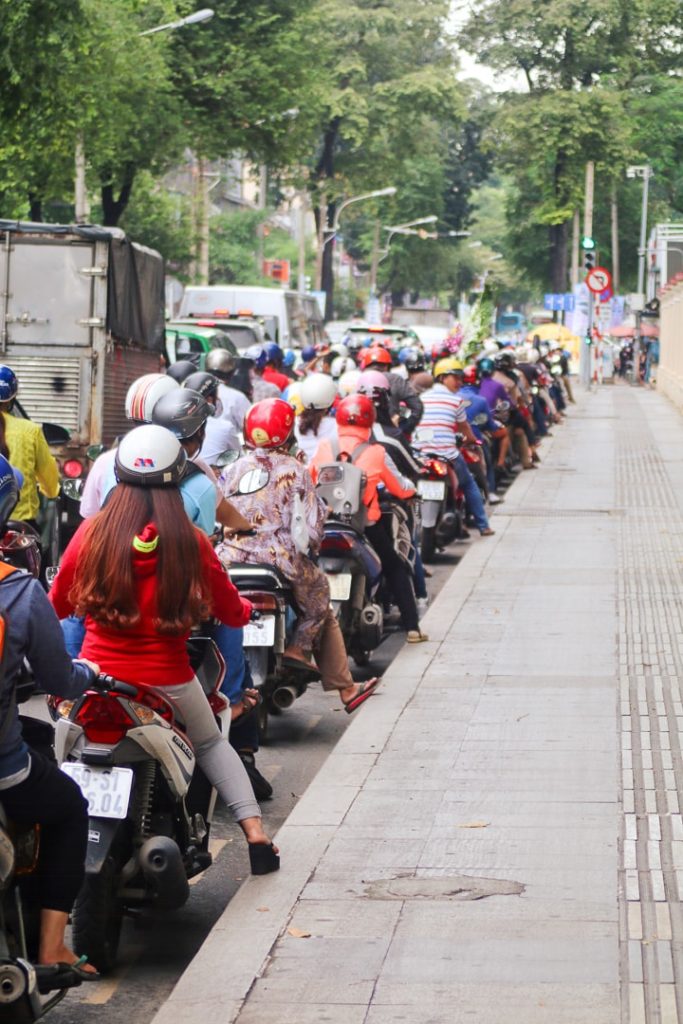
pixel 81 316
pixel 289 318
pixel 415 316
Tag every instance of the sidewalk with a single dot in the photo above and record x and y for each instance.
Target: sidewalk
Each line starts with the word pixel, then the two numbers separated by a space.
pixel 497 837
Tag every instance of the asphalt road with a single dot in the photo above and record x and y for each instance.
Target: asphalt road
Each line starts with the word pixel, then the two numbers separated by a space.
pixel 156 948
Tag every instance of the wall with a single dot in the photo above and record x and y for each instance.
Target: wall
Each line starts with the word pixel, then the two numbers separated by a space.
pixel 670 373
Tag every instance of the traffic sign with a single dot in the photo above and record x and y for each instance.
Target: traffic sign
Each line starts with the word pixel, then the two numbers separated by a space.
pixel 598 279
pixel 558 301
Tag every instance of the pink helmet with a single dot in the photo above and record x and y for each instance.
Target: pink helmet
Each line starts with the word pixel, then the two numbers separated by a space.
pixel 371 383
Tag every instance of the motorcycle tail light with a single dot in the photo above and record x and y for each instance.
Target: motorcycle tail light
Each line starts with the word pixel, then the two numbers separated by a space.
pixel 437 467
pixel 262 602
pixel 72 468
pixel 148 701
pixel 63 707
pixel 103 719
pixel 339 543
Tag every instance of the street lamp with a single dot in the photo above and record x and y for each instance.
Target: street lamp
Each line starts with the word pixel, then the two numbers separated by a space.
pixel 331 232
pixel 205 14
pixel 396 229
pixel 645 172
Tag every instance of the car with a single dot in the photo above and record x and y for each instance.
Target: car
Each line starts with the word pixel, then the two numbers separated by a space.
pixel 192 339
pixel 393 337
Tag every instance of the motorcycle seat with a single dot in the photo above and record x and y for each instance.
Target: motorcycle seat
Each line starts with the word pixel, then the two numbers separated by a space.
pixel 258 576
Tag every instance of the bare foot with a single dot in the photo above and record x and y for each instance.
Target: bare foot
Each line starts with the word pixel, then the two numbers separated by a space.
pixel 64 955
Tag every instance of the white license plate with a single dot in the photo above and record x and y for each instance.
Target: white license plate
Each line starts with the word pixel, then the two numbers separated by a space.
pixel 340 585
pixel 107 790
pixel 260 633
pixel 432 490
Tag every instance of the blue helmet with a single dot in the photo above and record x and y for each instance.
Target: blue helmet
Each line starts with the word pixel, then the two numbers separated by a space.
pixel 289 357
pixel 308 353
pixel 9 490
pixel 9 385
pixel 274 353
pixel 486 366
pixel 258 356
pixel 412 358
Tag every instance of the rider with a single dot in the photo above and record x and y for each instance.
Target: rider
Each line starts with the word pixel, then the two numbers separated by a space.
pixel 28 451
pixel 234 403
pixel 317 394
pixel 479 407
pixel 268 432
pixel 355 420
pixel 143 576
pixel 445 416
pixel 260 387
pixel 32 789
pixel 401 392
pixel 273 371
pixel 220 434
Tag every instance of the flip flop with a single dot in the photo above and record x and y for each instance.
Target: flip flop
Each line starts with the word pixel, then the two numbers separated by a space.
pixel 366 690
pixel 263 859
pixel 77 969
pixel 249 706
pixel 300 665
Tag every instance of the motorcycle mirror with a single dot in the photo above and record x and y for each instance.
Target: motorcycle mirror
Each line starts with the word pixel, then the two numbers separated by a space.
pixel 93 451
pixel 465 403
pixel 480 420
pixel 54 434
pixel 51 574
pixel 253 481
pixel 226 458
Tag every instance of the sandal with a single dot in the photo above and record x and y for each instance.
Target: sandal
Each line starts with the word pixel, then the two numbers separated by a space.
pixel 77 969
pixel 250 701
pixel 263 858
pixel 366 690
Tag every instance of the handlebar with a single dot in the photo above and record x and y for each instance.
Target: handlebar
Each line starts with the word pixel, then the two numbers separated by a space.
pixel 105 683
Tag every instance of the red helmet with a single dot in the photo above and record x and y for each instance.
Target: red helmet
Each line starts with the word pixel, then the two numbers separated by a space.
pixel 470 375
pixel 356 411
pixel 269 424
pixel 376 354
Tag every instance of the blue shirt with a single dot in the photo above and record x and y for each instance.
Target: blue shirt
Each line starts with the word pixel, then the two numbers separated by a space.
pixel 478 407
pixel 198 494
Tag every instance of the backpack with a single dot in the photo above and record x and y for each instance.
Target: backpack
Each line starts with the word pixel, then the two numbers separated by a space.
pixel 341 485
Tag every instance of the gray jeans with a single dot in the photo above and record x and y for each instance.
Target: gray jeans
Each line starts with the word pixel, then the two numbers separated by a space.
pixel 217 759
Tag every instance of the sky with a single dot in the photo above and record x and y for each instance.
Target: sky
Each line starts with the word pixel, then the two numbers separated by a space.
pixel 470 68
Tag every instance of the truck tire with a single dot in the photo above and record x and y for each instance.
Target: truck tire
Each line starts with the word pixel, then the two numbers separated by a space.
pixel 97 918
pixel 428 543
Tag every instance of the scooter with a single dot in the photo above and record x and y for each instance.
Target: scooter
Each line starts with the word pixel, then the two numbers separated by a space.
pixel 442 505
pixel 150 805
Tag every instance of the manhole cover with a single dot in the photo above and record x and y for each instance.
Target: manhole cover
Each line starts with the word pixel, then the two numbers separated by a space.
pixel 453 887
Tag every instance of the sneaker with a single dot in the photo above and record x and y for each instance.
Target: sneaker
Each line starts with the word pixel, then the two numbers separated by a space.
pixel 416 636
pixel 422 605
pixel 495 499
pixel 262 788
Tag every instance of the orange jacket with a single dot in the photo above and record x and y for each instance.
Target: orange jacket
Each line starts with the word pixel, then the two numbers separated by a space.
pixel 372 461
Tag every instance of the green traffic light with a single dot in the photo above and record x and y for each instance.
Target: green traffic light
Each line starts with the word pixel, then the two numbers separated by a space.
pixel 587 242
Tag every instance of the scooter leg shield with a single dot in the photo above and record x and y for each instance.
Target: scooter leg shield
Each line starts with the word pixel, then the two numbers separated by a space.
pixel 430 513
pixel 162 866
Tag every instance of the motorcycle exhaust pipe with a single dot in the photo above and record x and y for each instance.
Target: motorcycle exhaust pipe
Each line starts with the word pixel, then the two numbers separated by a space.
pixel 448 527
pixel 284 697
pixel 162 866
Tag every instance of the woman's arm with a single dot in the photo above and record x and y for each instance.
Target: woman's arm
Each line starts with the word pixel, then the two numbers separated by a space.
pixel 226 603
pixel 59 594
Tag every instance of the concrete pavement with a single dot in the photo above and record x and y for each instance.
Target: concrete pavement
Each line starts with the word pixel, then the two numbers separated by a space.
pixel 497 836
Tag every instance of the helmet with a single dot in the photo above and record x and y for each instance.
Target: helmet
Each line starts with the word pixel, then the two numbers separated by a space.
pixel 446 366
pixel 347 382
pixel 220 362
pixel 341 349
pixel 181 369
pixel 412 358
pixel 293 396
pixel 274 353
pixel 376 354
pixel 491 346
pixel 342 364
pixel 269 424
pixel 353 344
pixel 9 385
pixel 308 353
pixel 9 488
pixel 470 375
pixel 145 392
pixel 150 456
pixel 371 383
pixel 205 384
pixel 356 411
pixel 288 357
pixel 183 412
pixel 486 366
pixel 258 356
pixel 505 361
pixel 317 391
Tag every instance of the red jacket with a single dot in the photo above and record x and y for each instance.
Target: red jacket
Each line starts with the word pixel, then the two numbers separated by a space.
pixel 273 376
pixel 140 654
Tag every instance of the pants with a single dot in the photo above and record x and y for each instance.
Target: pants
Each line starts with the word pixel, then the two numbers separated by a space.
pixel 331 657
pixel 73 629
pixel 312 595
pixel 52 799
pixel 473 498
pixel 397 575
pixel 217 759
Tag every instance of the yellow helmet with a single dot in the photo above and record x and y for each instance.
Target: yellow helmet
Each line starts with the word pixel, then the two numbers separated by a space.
pixel 294 397
pixel 448 365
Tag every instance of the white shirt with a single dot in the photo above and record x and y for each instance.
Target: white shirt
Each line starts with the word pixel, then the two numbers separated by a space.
pixel 309 442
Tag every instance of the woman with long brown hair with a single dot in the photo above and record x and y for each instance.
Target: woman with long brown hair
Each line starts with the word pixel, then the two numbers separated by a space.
pixel 143 576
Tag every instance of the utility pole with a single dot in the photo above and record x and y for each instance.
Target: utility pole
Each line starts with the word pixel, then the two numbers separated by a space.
pixel 204 208
pixel 575 251
pixel 261 205
pixel 301 220
pixel 646 174
pixel 615 238
pixel 82 206
pixel 322 224
pixel 585 358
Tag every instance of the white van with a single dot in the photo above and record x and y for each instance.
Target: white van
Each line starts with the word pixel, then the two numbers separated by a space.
pixel 290 319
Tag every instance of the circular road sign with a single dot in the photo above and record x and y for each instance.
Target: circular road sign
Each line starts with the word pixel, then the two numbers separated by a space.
pixel 599 279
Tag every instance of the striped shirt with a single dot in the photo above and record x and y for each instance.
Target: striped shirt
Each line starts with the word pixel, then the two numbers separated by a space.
pixel 443 412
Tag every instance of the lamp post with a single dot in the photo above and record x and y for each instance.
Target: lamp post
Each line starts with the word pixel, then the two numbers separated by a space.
pixel 645 172
pixel 205 14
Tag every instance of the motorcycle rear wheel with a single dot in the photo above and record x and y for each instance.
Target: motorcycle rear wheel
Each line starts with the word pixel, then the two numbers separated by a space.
pixel 428 543
pixel 97 918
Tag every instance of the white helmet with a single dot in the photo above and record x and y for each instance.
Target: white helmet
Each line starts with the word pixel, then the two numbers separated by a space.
pixel 150 456
pixel 340 365
pixel 144 393
pixel 317 391
pixel 347 382
pixel 340 350
pixel 491 347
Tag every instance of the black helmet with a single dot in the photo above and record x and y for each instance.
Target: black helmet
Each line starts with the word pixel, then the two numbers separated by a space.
pixel 150 456
pixel 205 384
pixel 181 370
pixel 183 412
pixel 220 362
pixel 505 361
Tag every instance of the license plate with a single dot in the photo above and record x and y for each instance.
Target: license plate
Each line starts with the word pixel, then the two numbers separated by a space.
pixel 432 490
pixel 340 585
pixel 107 790
pixel 260 633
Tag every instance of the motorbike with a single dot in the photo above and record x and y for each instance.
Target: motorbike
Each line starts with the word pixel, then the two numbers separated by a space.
pixel 150 805
pixel 443 506
pixel 352 567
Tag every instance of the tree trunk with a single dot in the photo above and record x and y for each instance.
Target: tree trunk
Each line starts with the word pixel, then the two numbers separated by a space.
pixel 328 266
pixel 35 207
pixel 324 171
pixel 558 257
pixel 112 208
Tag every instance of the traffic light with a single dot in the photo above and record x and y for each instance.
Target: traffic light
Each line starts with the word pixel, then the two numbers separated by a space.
pixel 589 254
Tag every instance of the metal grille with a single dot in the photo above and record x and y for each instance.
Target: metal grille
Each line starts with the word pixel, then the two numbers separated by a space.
pixel 49 388
pixel 122 366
